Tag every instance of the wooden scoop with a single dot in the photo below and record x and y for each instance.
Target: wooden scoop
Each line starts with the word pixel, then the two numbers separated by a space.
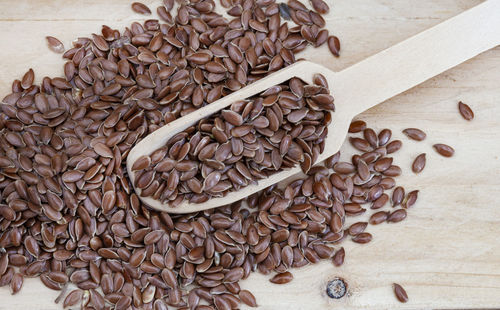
pixel 355 89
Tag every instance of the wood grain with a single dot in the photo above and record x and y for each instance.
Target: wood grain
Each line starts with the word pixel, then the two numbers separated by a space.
pixel 446 254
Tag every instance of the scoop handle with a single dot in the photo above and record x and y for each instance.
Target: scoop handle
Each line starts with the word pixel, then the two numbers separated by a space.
pixel 419 58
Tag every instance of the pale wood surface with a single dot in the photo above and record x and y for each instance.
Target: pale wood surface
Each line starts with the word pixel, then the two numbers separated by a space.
pixel 446 254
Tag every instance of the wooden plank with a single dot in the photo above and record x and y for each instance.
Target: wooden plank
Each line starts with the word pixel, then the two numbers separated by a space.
pixel 446 254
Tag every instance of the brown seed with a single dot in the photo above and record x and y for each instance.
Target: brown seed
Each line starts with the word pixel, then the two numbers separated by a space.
pixel 123 303
pixel 397 216
pixel 360 144
pixel 141 163
pixel 221 303
pixel 73 298
pixel 211 180
pixel 324 251
pixel 338 258
pixel 16 283
pixel 392 171
pixel 357 228
pixel 363 170
pixel 6 278
pixel 58 276
pixel 444 150
pixel 54 44
pixel 321 37
pixel 380 202
pixel 282 278
pixel 103 150
pixel 465 111
pixel 137 257
pixel 4 263
pixel 375 192
pixel 108 201
pixel 72 176
pixel 357 126
pixel 371 137
pixel 164 14
pixel 334 45
pixel 378 217
pixel 141 8
pixel 343 167
pixel 411 198
pixel 232 117
pixel 320 6
pixel 336 223
pixel 159 304
pixel 393 146
pixel 383 164
pixel 419 163
pixel 354 208
pixel 247 298
pixel 400 293
pixel 397 196
pixel 362 238
pixel 215 67
pixel 384 136
pixel 32 246
pixel 260 122
pixel 415 134
pixel 234 275
pixel 332 160
pixel 27 79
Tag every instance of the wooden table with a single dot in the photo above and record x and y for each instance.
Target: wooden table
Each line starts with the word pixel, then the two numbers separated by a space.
pixel 446 254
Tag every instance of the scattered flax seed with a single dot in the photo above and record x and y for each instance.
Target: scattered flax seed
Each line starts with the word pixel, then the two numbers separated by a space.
pixel 400 293
pixel 444 150
pixel 411 198
pixel 465 111
pixel 419 163
pixel 27 79
pixel 363 237
pixel 415 134
pixel 73 298
pixel 55 45
pixel 338 258
pixel 334 45
pixel 397 196
pixel 247 298
pixel 320 6
pixel 282 278
pixel 397 216
pixel 141 8
pixel 357 126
